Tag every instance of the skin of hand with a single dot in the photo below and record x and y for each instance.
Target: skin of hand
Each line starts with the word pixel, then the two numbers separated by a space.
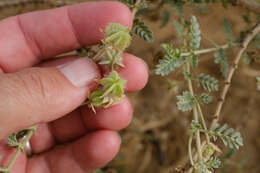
pixel 35 89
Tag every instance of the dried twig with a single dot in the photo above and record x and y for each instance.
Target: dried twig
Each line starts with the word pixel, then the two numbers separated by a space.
pixel 248 38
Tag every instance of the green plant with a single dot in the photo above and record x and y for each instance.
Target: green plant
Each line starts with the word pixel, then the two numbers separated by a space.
pixel 186 58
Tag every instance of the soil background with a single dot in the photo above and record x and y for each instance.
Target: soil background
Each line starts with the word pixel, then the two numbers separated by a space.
pixel 156 140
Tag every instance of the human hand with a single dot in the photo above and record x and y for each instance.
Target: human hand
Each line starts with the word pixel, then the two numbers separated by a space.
pixel 68 139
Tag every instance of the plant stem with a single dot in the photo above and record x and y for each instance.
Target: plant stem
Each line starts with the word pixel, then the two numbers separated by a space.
pixel 208 50
pixel 195 114
pixel 190 150
pixel 203 123
pixel 19 149
pixel 248 38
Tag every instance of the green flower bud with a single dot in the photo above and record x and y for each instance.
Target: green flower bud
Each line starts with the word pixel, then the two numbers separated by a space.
pixel 109 93
pixel 117 36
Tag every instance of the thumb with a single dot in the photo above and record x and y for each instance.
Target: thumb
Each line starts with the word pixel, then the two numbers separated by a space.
pixel 37 95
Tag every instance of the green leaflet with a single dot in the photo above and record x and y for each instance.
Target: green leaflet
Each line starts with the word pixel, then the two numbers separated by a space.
pixel 205 98
pixel 208 83
pixel 208 166
pixel 194 61
pixel 195 126
pixel 194 35
pixel 213 163
pixel 221 58
pixel 185 101
pixel 12 140
pixel 170 61
pixel 143 31
pixel 229 136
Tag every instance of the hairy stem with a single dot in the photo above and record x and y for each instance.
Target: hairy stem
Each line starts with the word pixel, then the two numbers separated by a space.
pixel 248 38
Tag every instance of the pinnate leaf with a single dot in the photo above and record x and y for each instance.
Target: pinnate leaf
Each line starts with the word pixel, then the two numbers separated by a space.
pixel 205 98
pixel 143 31
pixel 170 61
pixel 207 82
pixel 229 136
pixel 221 58
pixel 185 101
pixel 194 34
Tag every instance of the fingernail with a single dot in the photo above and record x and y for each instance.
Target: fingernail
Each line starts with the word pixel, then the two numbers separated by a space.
pixel 81 72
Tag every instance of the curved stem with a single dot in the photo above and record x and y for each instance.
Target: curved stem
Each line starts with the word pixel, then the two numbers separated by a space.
pixel 190 149
pixel 196 117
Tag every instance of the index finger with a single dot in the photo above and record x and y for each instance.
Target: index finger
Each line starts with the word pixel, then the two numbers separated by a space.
pixel 26 39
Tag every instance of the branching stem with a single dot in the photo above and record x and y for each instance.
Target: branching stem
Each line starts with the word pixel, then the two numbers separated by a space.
pixel 248 38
